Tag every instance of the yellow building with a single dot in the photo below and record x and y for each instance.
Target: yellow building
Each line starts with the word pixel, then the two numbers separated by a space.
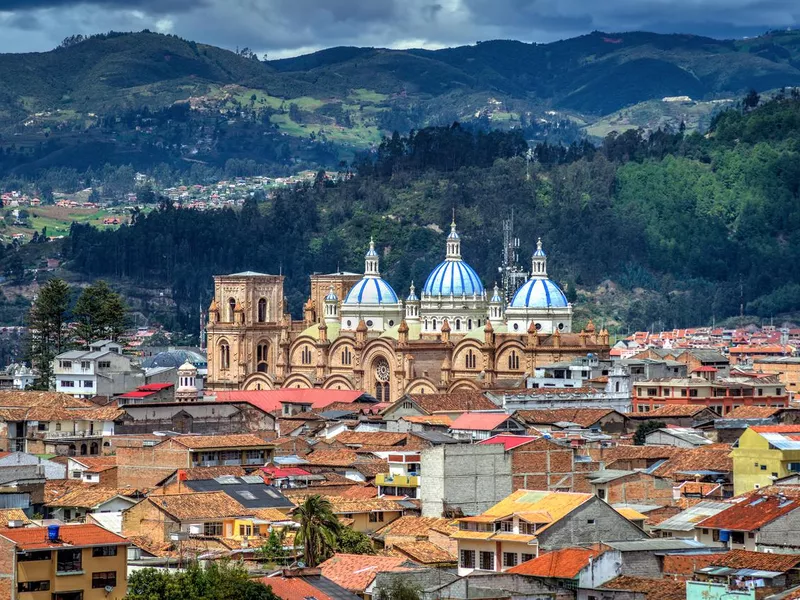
pixel 764 454
pixel 517 528
pixel 67 562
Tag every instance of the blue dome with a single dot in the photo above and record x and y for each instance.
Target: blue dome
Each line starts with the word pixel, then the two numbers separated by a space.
pixel 371 290
pixel 539 293
pixel 453 277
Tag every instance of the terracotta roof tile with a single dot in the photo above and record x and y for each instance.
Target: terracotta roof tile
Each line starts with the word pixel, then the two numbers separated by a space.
pixel 752 412
pixel 411 526
pixel 638 452
pixel 356 571
pixel 566 563
pixel 435 420
pixel 683 566
pixel 696 459
pixel 69 535
pixel 751 513
pixel 585 417
pixel 199 505
pixel 453 402
pixel 26 399
pixel 12 514
pixel 761 561
pixel 294 588
pixel 360 492
pixel 372 438
pixel 672 410
pixel 197 442
pixel 654 589
pixel 479 421
pixel 362 505
pixel 200 473
pixel 332 458
pixel 85 497
pixel 425 552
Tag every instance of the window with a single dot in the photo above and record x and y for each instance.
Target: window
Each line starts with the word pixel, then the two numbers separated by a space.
pixel 305 355
pixel 33 586
pixel 104 578
pixel 262 351
pixel 590 522
pixel 376 517
pixel 513 361
pixel 409 406
pixel 104 364
pixel 262 310
pixel 751 536
pixel 763 467
pixel 246 494
pixel 85 365
pixel 525 557
pixel 471 360
pixel 104 551
pixel 347 356
pixel 66 364
pixel 794 467
pixel 666 391
pixel 58 426
pixel 601 493
pixel 458 324
pixel 705 531
pixel 693 393
pixel 76 474
pixel 487 561
pixel 775 475
pixel 29 556
pixel 468 559
pixel 69 561
pixel 224 356
pixel 527 528
pixel 231 309
pixel 652 391
pixel 87 383
pixel 41 426
pixel 212 529
pixel 66 383
pixel 510 559
pixel 715 535
pixel 245 530
pixel 737 537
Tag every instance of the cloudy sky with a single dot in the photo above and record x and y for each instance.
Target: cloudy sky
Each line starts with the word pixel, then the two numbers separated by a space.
pixel 290 27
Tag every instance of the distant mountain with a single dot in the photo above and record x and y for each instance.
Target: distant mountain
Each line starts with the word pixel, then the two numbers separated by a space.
pixel 349 97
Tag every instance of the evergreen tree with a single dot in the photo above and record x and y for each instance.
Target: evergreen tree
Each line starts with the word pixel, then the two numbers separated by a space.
pixel 99 314
pixel 644 429
pixel 49 334
pixel 351 541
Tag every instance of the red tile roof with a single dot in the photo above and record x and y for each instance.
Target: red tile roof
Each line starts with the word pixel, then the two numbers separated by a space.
pixel 683 566
pixel 752 412
pixel 760 561
pixel 509 441
pixel 36 538
pixel 751 513
pixel 653 589
pixel 356 571
pixel 562 564
pixel 776 428
pixel 479 421
pixel 270 400
pixel 294 588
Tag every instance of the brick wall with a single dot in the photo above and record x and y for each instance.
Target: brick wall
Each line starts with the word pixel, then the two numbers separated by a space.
pixel 146 520
pixel 639 488
pixel 8 575
pixel 144 467
pixel 542 465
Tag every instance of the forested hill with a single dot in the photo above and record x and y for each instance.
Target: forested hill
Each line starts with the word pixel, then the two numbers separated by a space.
pixel 148 99
pixel 669 230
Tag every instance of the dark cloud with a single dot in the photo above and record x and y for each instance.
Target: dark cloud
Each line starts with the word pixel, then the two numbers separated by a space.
pixel 284 27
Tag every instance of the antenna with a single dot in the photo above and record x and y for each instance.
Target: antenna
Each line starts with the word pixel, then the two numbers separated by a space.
pixel 512 274
pixel 528 159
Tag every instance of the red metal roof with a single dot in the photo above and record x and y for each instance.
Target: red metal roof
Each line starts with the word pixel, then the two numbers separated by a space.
pixel 137 394
pixel 270 400
pixel 705 369
pixel 155 387
pixel 509 441
pixel 36 538
pixel 479 421
pixel 776 428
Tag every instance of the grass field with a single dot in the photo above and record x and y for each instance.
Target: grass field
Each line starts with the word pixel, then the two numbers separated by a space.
pixel 56 219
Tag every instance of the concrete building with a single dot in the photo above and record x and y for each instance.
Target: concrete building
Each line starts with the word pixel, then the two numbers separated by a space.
pixel 100 371
pixel 764 454
pixel 787 368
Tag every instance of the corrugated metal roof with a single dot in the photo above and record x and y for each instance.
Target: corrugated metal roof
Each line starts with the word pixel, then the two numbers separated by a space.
pixel 656 544
pixel 688 519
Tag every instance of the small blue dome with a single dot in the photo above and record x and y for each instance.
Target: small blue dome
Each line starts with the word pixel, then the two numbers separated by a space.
pixel 453 277
pixel 539 292
pixel 371 290
pixel 331 297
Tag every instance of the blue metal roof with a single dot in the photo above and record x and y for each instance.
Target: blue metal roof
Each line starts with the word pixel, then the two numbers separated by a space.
pixel 371 290
pixel 539 292
pixel 453 277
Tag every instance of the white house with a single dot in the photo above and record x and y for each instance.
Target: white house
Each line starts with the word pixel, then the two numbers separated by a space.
pixel 100 371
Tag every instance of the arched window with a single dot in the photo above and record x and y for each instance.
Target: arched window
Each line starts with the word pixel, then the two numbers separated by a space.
pixel 94 448
pixel 262 360
pixel 471 360
pixel 224 356
pixel 305 355
pixel 231 309
pixel 616 386
pixel 262 310
pixel 458 324
pixel 513 360
pixel 434 324
pixel 83 449
pixel 382 376
pixel 347 356
pixel 469 324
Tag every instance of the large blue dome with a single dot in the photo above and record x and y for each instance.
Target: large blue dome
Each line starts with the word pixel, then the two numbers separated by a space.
pixel 371 290
pixel 539 292
pixel 453 277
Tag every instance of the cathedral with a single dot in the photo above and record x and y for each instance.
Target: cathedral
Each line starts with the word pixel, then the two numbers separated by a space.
pixel 357 334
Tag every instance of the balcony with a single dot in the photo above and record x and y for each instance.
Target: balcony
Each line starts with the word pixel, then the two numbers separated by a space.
pixel 64 435
pixel 397 480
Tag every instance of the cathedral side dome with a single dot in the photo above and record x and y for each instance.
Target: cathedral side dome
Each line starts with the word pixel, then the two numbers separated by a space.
pixel 539 293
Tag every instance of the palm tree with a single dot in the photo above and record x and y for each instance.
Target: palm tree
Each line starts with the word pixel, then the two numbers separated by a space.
pixel 319 527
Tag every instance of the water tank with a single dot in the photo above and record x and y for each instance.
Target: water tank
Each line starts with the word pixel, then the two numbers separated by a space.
pixel 724 535
pixel 52 532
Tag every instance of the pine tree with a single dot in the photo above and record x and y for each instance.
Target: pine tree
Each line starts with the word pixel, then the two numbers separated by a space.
pixel 99 314
pixel 49 333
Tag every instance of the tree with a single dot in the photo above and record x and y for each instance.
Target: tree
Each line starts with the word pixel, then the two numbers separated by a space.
pixel 49 334
pixel 351 541
pixel 99 313
pixel 219 581
pixel 319 528
pixel 400 588
pixel 751 99
pixel 274 550
pixel 645 428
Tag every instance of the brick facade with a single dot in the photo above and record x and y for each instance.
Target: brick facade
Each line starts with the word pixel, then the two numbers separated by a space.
pixel 542 465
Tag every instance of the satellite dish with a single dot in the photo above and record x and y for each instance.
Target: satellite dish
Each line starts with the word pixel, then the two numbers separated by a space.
pixel 301 564
pixel 109 589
